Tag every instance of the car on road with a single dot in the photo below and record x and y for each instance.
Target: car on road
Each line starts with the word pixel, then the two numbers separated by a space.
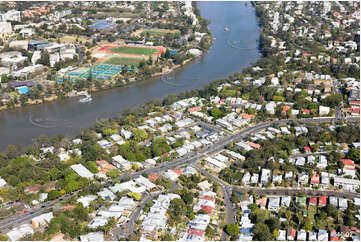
pixel 31 212
pixel 43 206
pixel 25 211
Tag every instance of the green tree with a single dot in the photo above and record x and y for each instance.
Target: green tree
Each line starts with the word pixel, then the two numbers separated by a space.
pixel 354 154
pixel 3 237
pixel 332 100
pixel 113 173
pixel 139 135
pixel 187 197
pixel 308 225
pixel 137 196
pixel 261 232
pixel 80 213
pixel 177 209
pixel 273 223
pixel 331 211
pixel 53 194
pixel 232 229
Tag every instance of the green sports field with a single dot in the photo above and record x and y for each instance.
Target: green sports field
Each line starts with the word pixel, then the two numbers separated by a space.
pixel 134 50
pixel 123 61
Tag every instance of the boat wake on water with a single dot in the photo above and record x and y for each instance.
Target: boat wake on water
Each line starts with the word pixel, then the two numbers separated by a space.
pixel 166 78
pixel 236 47
pixel 48 123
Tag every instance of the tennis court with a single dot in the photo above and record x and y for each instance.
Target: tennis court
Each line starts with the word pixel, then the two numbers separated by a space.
pixel 99 72
pixel 105 71
pixel 103 25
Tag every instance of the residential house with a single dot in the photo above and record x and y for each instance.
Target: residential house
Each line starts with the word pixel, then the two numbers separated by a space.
pixel 312 201
pixel 301 201
pixel 246 179
pixel 351 185
pixel 291 234
pixel 42 220
pixel 265 175
pixel 333 201
pixel 301 235
pixel 262 202
pixel 19 232
pixel 97 222
pixel 121 163
pixel 322 235
pixel 322 201
pixel 82 171
pixel 302 178
pixel 312 236
pixel 285 201
pixel 315 179
pixel 281 235
pixel 273 203
pixel 86 200
pixel 92 236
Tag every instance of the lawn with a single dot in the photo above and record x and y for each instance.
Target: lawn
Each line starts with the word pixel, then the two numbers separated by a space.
pixel 156 32
pixel 134 50
pixel 160 32
pixel 69 38
pixel 123 61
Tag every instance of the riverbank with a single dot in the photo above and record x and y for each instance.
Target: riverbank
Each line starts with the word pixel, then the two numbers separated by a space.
pixel 218 62
pixel 108 85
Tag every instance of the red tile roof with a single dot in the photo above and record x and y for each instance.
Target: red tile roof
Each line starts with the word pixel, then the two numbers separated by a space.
pixel 208 209
pixel 292 232
pixel 68 207
pixel 153 177
pixel 322 200
pixel 353 228
pixel 306 111
pixel 33 189
pixel 353 102
pixel 355 110
pixel 195 109
pixel 333 236
pixel 196 232
pixel 262 201
pixel 254 145
pixel 285 109
pixel 348 162
pixel 315 178
pixel 179 172
pixel 247 116
pixel 313 201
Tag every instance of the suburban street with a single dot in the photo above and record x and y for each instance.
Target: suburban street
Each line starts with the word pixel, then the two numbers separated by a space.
pixel 230 213
pixel 126 229
pixel 192 158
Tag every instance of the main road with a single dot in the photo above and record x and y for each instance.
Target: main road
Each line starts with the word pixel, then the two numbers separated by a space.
pixel 193 158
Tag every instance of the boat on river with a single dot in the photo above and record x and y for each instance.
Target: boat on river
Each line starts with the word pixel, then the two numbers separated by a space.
pixel 87 99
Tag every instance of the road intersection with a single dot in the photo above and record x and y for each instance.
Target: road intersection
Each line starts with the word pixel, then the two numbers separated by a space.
pixel 192 158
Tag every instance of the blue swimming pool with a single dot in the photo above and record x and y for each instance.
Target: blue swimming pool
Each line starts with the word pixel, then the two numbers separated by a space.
pixel 23 90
